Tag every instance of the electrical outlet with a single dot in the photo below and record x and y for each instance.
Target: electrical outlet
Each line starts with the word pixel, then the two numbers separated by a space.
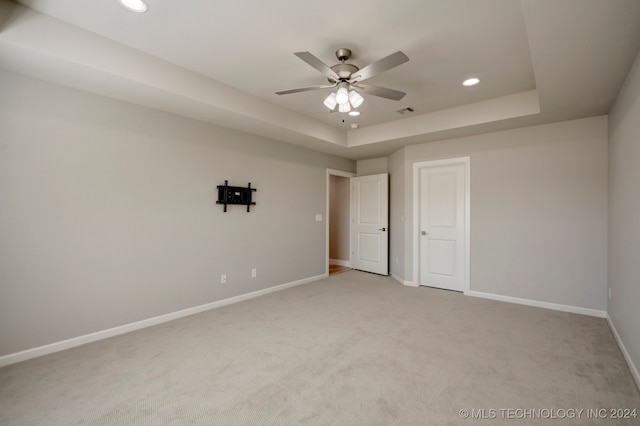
pixel 223 279
pixel 254 273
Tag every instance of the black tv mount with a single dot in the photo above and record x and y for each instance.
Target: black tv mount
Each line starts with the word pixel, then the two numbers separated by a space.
pixel 235 195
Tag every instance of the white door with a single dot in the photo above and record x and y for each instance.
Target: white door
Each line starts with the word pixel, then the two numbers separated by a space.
pixel 370 223
pixel 442 226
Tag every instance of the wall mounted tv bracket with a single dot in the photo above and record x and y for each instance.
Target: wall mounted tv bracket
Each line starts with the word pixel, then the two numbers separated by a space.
pixel 235 195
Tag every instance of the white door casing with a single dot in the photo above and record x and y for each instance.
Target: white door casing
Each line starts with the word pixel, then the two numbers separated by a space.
pixel 441 224
pixel 370 223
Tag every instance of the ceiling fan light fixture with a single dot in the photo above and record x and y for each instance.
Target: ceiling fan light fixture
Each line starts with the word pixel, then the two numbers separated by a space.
pixel 134 5
pixel 355 98
pixel 331 102
pixel 344 107
pixel 344 77
pixel 354 113
pixel 342 95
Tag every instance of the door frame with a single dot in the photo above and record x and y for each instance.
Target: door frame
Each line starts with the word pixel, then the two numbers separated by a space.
pixel 341 173
pixel 466 162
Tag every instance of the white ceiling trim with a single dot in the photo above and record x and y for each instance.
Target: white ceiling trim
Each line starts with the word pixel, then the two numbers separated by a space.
pixel 503 108
pixel 100 65
pixel 103 66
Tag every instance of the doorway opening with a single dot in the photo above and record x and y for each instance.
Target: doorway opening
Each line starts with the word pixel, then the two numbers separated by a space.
pixel 338 221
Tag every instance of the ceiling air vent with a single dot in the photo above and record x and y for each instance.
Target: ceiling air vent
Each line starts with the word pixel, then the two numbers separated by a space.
pixel 406 110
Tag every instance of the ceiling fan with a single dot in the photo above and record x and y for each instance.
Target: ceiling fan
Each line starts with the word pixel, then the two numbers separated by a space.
pixel 348 79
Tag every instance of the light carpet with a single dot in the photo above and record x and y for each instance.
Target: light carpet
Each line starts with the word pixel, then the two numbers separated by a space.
pixel 352 349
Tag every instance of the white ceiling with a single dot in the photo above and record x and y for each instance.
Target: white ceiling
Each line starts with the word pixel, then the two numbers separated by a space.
pixel 539 61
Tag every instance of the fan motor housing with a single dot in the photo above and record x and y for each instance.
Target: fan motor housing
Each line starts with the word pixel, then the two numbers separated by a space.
pixel 344 71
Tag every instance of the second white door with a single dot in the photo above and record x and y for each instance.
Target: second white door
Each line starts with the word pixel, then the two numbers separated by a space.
pixel 442 226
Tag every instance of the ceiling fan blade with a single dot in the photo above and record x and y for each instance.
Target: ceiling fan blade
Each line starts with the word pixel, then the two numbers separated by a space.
pixel 382 92
pixel 380 66
pixel 318 64
pixel 304 89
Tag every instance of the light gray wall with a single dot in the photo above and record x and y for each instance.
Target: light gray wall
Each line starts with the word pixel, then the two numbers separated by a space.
pixel 108 213
pixel 538 210
pixel 339 213
pixel 372 166
pixel 624 214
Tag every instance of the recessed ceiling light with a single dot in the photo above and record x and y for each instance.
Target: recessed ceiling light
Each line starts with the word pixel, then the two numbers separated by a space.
pixel 354 113
pixel 134 5
pixel 471 82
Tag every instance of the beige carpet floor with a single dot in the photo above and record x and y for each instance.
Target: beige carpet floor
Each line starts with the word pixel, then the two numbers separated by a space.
pixel 353 349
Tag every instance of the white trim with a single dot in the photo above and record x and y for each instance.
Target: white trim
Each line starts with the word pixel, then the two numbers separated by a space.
pixel 466 162
pixel 538 304
pixel 115 331
pixel 623 349
pixel 340 262
pixel 403 282
pixel 341 173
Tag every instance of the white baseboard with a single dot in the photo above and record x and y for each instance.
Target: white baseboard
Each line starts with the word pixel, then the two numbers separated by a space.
pixel 340 262
pixel 623 349
pixel 403 282
pixel 538 304
pixel 127 328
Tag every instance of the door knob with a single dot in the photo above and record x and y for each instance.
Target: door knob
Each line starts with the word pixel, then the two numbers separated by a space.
pixel 382 229
pixel 424 233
